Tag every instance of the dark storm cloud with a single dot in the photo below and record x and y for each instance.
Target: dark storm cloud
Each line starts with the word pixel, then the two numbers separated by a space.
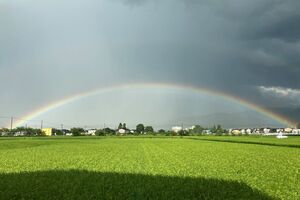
pixel 257 45
pixel 257 38
pixel 278 20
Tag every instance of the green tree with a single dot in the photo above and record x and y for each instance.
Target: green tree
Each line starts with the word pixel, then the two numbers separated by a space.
pixel 140 128
pixel 77 131
pixel 298 125
pixel 213 129
pixel 26 131
pixel 4 132
pixel 57 132
pixel 100 132
pixel 109 131
pixel 120 126
pixel 124 126
pixel 183 133
pixel 219 130
pixel 149 129
pixel 168 133
pixel 197 130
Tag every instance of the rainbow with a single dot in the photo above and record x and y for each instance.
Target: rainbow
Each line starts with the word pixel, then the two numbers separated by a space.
pixel 61 102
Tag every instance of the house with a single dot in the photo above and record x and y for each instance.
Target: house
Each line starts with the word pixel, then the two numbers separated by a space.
pixel 48 131
pixel 279 130
pixel 296 132
pixel 206 131
pixel 266 130
pixel 236 132
pixel 121 131
pixel 256 131
pixel 91 132
pixel 4 132
pixel 288 130
pixel 65 131
pixel 248 131
pixel 20 133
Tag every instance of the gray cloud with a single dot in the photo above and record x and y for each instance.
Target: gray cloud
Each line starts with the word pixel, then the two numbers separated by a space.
pixel 52 49
pixel 282 95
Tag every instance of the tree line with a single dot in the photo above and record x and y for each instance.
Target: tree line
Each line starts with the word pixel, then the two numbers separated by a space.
pixel 122 129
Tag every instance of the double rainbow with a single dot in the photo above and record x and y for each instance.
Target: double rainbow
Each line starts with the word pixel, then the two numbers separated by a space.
pixel 61 102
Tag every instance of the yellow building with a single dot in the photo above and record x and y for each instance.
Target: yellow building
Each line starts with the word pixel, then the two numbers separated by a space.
pixel 47 131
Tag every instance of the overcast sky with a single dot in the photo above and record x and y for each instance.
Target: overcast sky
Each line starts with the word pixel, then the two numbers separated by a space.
pixel 54 48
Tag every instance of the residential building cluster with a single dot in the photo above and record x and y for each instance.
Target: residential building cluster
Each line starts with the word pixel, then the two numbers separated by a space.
pixel 175 130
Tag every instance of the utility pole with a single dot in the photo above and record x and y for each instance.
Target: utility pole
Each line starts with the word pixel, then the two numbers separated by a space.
pixel 62 128
pixel 11 123
pixel 42 124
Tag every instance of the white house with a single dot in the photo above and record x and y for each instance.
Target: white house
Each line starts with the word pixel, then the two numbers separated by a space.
pixel 20 133
pixel 249 131
pixel 296 132
pixel 267 130
pixel 121 131
pixel 69 134
pixel 236 132
pixel 256 131
pixel 91 132
pixel 279 130
pixel 207 132
pixel 288 130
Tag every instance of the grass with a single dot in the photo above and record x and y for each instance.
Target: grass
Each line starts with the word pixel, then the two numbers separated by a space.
pixel 293 141
pixel 150 168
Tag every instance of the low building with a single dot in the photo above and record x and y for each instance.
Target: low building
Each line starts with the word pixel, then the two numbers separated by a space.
pixel 296 132
pixel 256 131
pixel 207 132
pixel 279 130
pixel 48 131
pixel 20 133
pixel 249 131
pixel 121 131
pixel 267 130
pixel 91 132
pixel 236 132
pixel 288 130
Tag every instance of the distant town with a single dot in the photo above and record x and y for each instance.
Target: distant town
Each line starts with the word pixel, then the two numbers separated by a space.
pixel 142 129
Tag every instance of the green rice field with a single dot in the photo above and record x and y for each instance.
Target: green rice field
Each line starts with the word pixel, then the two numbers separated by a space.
pixel 150 168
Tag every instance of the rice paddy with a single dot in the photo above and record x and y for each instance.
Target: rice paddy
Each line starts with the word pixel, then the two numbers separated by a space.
pixel 150 168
